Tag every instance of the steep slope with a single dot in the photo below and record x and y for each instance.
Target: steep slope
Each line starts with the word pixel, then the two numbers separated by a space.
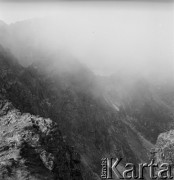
pixel 84 117
pixel 117 116
pixel 149 104
pixel 33 148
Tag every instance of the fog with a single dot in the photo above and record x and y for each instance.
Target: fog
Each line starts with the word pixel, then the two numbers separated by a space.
pixel 109 37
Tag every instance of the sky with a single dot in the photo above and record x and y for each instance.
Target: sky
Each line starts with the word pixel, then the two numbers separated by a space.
pixel 106 35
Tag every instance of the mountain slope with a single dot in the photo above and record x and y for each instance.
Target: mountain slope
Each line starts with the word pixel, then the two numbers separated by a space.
pixel 117 116
pixel 33 148
pixel 85 119
pixel 149 104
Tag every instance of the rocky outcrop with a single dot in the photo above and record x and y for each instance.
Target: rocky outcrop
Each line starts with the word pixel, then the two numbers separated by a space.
pixel 32 147
pixel 164 155
pixel 165 147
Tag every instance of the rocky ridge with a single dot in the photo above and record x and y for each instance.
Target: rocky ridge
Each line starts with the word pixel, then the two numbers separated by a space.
pixel 165 147
pixel 33 148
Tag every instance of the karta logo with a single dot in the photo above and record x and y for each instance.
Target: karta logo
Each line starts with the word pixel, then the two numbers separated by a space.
pixel 110 170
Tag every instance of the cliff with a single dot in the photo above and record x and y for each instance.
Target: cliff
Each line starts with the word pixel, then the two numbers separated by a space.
pixel 32 148
pixel 165 147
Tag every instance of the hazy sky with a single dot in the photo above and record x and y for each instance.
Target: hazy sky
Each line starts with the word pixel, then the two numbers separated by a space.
pixel 107 35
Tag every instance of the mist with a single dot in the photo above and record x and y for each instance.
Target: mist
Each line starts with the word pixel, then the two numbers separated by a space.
pixel 109 37
pixel 82 82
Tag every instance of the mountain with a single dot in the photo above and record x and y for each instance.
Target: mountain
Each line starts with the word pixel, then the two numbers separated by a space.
pixel 32 147
pixel 95 116
pixel 149 103
pixel 85 119
pixel 72 109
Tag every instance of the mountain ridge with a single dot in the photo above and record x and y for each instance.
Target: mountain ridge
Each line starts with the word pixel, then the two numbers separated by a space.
pixel 114 116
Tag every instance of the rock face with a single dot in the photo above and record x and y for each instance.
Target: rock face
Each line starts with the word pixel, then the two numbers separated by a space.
pixel 33 148
pixel 165 147
pixel 164 152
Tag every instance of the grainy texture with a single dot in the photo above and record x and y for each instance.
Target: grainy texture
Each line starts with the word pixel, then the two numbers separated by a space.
pixel 32 148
